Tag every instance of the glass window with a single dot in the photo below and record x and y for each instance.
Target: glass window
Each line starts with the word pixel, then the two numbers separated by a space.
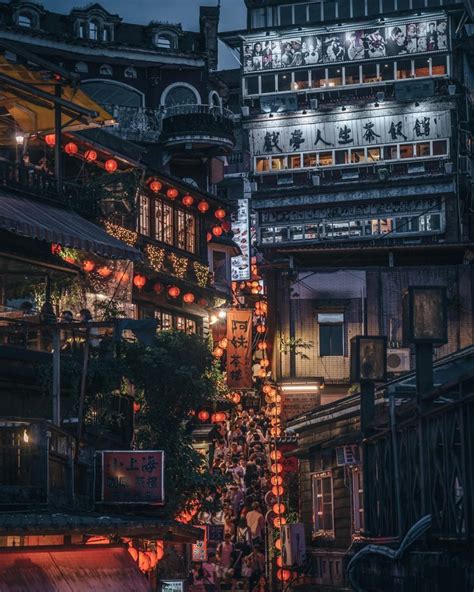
pixel 357 155
pixel 24 20
pixel 423 149
pixel 263 165
pixel 329 10
pixel 403 4
pixel 301 80
pixel 440 147
pixel 311 231
pixel 390 152
pixel 432 3
pixel 281 234
pixel 168 225
pixel 318 78
pixel 344 10
pixel 407 151
pixel 369 73
pixel 352 75
pixel 403 69
pixel 268 83
pixel 219 266
pixel 315 12
pixel 295 161
pixel 430 222
pixel 373 154
pixel 257 16
pixel 309 160
pixel 284 81
pixel 251 85
pixel 331 338
pixel 334 76
pixel 323 503
pixel 180 95
pixel 325 158
pixel 358 499
pixel 373 7
pixel 386 70
pixel 296 233
pixel 278 163
pixel 180 323
pixel 341 157
pixel 418 3
pixel 144 221
pixel 422 67
pixel 388 5
pixel 385 225
pixel 286 15
pixel 266 235
pixel 191 326
pixel 94 30
pixel 300 14
pixel 438 66
pixel 402 225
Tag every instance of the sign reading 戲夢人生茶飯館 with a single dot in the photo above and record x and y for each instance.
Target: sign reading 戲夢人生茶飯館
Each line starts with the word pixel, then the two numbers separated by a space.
pixel 133 477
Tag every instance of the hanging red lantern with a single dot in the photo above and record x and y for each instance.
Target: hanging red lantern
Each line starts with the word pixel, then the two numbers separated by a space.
pixel 277 490
pixel 208 237
pixel 226 226
pixel 143 561
pixel 70 260
pixel 111 165
pixel 266 388
pixel 279 521
pixel 260 328
pixel 155 186
pixel 283 575
pixel 236 398
pixel 220 214
pixel 264 363
pixel 172 193
pixel 71 148
pixel 122 276
pixel 104 272
pixel 158 287
pixel 262 373
pixel 50 139
pixel 278 545
pixel 189 298
pixel 202 302
pixel 136 407
pixel 216 230
pixel 160 552
pixel 88 266
pixel 174 292
pixel 275 432
pixel 203 415
pixel 262 345
pixel 188 200
pixel 55 249
pixel 279 509
pixel 90 155
pixel 279 561
pixel 203 206
pixel 139 281
pixel 276 480
pixel 275 455
pixel 220 416
pixel 153 558
pixel 277 468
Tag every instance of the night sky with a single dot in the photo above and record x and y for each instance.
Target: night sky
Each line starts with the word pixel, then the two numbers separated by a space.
pixel 185 12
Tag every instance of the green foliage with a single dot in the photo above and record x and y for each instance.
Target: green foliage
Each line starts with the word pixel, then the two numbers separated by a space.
pixel 296 346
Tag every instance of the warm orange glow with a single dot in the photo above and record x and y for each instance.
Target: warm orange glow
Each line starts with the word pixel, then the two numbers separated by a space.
pixel 134 553
pixel 88 266
pixel 279 509
pixel 261 328
pixel 203 206
pixel 111 165
pixel 172 193
pixel 218 352
pixel 265 363
pixel 277 468
pixel 278 545
pixel 139 281
pixel 203 415
pixel 217 230
pixel 276 480
pixel 223 343
pixel 275 432
pixel 189 298
pixel 266 388
pixel 262 345
pixel 220 214
pixel 275 454
pixel 188 200
pixel 158 287
pixel 71 148
pixel 283 575
pixel 155 186
pixel 50 139
pixel 174 292
pixel 90 155
pixel 104 272
pixel 279 561
pixel 278 490
pixel 279 521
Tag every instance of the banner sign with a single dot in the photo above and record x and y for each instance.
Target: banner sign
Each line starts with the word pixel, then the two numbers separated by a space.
pixel 239 349
pixel 332 47
pixel 349 133
pixel 199 549
pixel 133 477
pixel 240 228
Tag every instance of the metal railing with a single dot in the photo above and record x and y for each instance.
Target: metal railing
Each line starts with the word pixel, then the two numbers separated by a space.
pixel 216 112
pixel 137 123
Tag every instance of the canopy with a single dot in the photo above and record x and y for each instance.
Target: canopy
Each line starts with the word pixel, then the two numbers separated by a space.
pixel 38 220
pixel 70 570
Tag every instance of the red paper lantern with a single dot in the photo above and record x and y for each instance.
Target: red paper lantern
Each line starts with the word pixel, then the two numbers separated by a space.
pixel 202 302
pixel 136 407
pixel 155 186
pixel 174 292
pixel 71 148
pixel 104 272
pixel 203 415
pixel 88 266
pixel 278 545
pixel 260 328
pixel 122 276
pixel 279 521
pixel 275 432
pixel 160 552
pixel 275 455
pixel 189 298
pixel 158 287
pixel 226 226
pixel 203 206
pixel 111 165
pixel 264 363
pixel 279 509
pixel 277 468
pixel 217 230
pixel 139 281
pixel 90 155
pixel 283 575
pixel 143 561
pixel 70 260
pixel 276 480
pixel 55 249
pixel 279 561
pixel 208 237
pixel 50 139
pixel 278 490
pixel 262 345
pixel 218 352
pixel 188 200
pixel 220 214
pixel 172 193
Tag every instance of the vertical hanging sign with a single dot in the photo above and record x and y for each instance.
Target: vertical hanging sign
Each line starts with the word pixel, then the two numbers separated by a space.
pixel 239 349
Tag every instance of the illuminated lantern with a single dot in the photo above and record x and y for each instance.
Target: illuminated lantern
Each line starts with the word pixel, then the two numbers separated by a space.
pixel 55 249
pixel 262 373
pixel 264 363
pixel 278 545
pixel 90 155
pixel 220 214
pixel 153 558
pixel 208 237
pixel 275 455
pixel 174 292
pixel 50 139
pixel 111 165
pixel 70 260
pixel 283 575
pixel 279 509
pixel 155 186
pixel 276 411
pixel 277 468
pixel 277 490
pixel 139 281
pixel 188 200
pixel 218 352
pixel 221 416
pixel 203 206
pixel 136 407
pixel 158 287
pixel 71 148
pixel 260 329
pixel 134 553
pixel 104 272
pixel 226 226
pixel 203 415
pixel 189 298
pixel 216 230
pixel 266 388
pixel 263 307
pixel 143 561
pixel 276 480
pixel 223 342
pixel 202 302
pixel 254 291
pixel 236 398
pixel 88 266
pixel 172 193
pixel 275 432
pixel 275 422
pixel 279 561
pixel 279 521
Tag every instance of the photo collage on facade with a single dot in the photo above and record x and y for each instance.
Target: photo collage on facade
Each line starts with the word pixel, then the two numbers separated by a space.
pixel 380 42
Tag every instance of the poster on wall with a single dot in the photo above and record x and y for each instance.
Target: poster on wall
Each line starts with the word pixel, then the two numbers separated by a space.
pixel 240 228
pixel 239 349
pixel 362 44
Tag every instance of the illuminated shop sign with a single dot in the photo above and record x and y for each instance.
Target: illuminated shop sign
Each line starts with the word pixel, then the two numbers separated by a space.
pixel 344 133
pixel 361 44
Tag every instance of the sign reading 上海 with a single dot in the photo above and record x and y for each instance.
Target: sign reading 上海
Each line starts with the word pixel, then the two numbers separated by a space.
pixel 133 477
pixel 239 349
pixel 333 47
pixel 349 133
pixel 240 228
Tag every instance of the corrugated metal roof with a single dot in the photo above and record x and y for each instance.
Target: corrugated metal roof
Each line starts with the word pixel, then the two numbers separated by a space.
pixel 70 570
pixel 45 222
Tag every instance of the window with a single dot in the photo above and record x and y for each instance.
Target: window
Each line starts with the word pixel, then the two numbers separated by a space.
pixel 191 326
pixel 373 154
pixel 130 72
pixel 219 266
pixel 106 34
pixel 301 80
pixel 325 158
pixel 81 67
pixel 438 66
pixel 190 233
pixel 278 163
pixel 284 81
pixel 300 14
pixel 180 94
pixel 407 151
pixel 309 160
pixel 404 69
pixel 357 156
pixel 112 93
pixel 318 78
pixel 314 12
pixel 296 233
pixel 180 323
pixel 357 499
pixel 281 234
pixel 341 157
pixel 373 7
pixel 369 73
pixel 352 74
pixel 440 147
pixel 258 18
pixel 344 10
pixel 263 165
pixel 334 77
pixel 329 10
pixel 164 223
pixel 266 235
pixel 331 334
pixel 94 30
pixel 251 85
pixel 82 30
pixel 295 161
pixel 390 152
pixel 422 67
pixel 386 70
pixel 268 83
pixel 165 41
pixel 286 15
pixel 144 218
pixel 323 518
pixel 25 20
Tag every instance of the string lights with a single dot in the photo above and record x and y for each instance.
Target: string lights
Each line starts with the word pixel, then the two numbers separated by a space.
pixel 179 264
pixel 156 256
pixel 119 232
pixel 202 274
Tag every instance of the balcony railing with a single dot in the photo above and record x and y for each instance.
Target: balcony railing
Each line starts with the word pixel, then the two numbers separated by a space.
pixel 136 123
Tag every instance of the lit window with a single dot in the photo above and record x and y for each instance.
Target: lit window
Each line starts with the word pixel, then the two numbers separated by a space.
pixel 180 323
pixel 94 30
pixel 357 156
pixel 263 165
pixel 440 147
pixel 407 151
pixel 438 66
pixel 25 20
pixel 325 159
pixel 309 160
pixel 323 502
pixel 295 161
pixel 219 266
pixel 165 41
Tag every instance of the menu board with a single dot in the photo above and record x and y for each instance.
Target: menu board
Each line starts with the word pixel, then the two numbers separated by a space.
pixel 333 47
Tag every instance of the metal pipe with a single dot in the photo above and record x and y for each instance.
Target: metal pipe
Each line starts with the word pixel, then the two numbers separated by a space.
pixel 396 467
pixel 56 376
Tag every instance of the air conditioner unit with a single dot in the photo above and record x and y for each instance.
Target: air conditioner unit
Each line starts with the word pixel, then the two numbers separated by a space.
pixel 313 104
pixel 245 110
pixel 465 165
pixel 398 360
pixel 380 96
pixel 452 89
pixel 316 179
pixel 383 174
pixel 347 455
pixel 293 550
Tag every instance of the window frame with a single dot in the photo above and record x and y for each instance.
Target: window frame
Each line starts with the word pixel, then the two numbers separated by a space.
pixel 315 478
pixel 327 322
pixel 357 499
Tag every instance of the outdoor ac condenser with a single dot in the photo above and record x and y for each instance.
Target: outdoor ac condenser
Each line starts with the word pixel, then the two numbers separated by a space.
pixel 293 550
pixel 398 360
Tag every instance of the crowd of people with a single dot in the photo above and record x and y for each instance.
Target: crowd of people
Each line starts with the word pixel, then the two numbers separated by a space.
pixel 241 453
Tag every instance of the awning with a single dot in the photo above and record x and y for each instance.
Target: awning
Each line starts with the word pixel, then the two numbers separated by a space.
pixel 42 221
pixel 70 570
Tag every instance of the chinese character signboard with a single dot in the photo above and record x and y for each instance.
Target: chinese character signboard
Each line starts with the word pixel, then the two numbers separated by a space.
pixel 133 477
pixel 239 349
pixel 333 47
pixel 240 228
pixel 199 549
